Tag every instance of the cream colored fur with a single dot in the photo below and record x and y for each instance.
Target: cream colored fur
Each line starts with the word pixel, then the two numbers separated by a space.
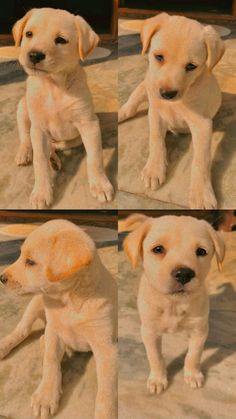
pixel 180 41
pixel 165 305
pixel 57 107
pixel 77 298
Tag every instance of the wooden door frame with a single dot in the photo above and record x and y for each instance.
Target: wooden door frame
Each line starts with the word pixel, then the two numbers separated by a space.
pixel 99 218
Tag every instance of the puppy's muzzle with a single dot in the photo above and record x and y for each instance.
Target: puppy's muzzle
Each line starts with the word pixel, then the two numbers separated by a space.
pixel 168 94
pixel 3 279
pixel 36 56
pixel 183 275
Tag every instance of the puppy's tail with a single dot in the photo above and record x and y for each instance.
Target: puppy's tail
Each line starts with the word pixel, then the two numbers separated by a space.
pixel 132 222
pixel 18 230
pixel 130 108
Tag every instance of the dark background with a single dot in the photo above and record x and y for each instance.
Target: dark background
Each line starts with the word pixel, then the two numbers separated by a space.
pixel 198 9
pixel 97 13
pixel 210 6
pixel 99 218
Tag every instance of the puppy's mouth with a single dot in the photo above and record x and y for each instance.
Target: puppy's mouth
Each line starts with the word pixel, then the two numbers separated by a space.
pixel 36 69
pixel 16 289
pixel 180 291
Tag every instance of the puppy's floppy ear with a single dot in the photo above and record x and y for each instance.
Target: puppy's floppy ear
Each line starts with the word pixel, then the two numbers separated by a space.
pixel 134 241
pixel 87 38
pixel 219 246
pixel 132 222
pixel 69 252
pixel 18 28
pixel 215 46
pixel 150 26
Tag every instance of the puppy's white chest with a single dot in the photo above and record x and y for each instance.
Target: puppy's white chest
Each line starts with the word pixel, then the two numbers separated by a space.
pixel 60 121
pixel 74 338
pixel 69 325
pixel 54 108
pixel 174 118
pixel 171 319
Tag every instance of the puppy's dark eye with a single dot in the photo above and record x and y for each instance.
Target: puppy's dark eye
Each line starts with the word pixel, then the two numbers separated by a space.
pixel 159 249
pixel 159 58
pixel 30 262
pixel 201 252
pixel 28 34
pixel 190 67
pixel 60 40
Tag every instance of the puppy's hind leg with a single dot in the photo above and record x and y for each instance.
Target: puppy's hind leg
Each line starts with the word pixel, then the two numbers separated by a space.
pixel 55 160
pixel 130 108
pixel 34 311
pixel 25 153
pixel 157 380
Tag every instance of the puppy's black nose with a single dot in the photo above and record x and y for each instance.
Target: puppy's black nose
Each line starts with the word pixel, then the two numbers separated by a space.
pixel 183 275
pixel 36 56
pixel 3 279
pixel 168 94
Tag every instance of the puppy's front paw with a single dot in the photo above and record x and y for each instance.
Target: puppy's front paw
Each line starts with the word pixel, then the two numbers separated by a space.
pixel 125 112
pixel 156 383
pixel 202 197
pixel 45 400
pixel 194 378
pixel 24 155
pixel 41 197
pixel 101 188
pixel 154 174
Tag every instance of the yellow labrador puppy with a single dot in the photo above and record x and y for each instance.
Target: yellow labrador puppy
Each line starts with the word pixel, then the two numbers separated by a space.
pixel 183 96
pixel 176 253
pixel 77 296
pixel 57 106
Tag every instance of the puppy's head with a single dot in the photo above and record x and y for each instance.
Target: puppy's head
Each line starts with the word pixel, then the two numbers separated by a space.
pixel 52 40
pixel 176 252
pixel 51 258
pixel 180 50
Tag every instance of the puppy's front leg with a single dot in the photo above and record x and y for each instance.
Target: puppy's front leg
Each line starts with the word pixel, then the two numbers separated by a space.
pixel 42 193
pixel 192 373
pixel 100 186
pixel 130 108
pixel 201 192
pixel 34 310
pixel 45 400
pixel 154 172
pixel 106 365
pixel 25 153
pixel 157 380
